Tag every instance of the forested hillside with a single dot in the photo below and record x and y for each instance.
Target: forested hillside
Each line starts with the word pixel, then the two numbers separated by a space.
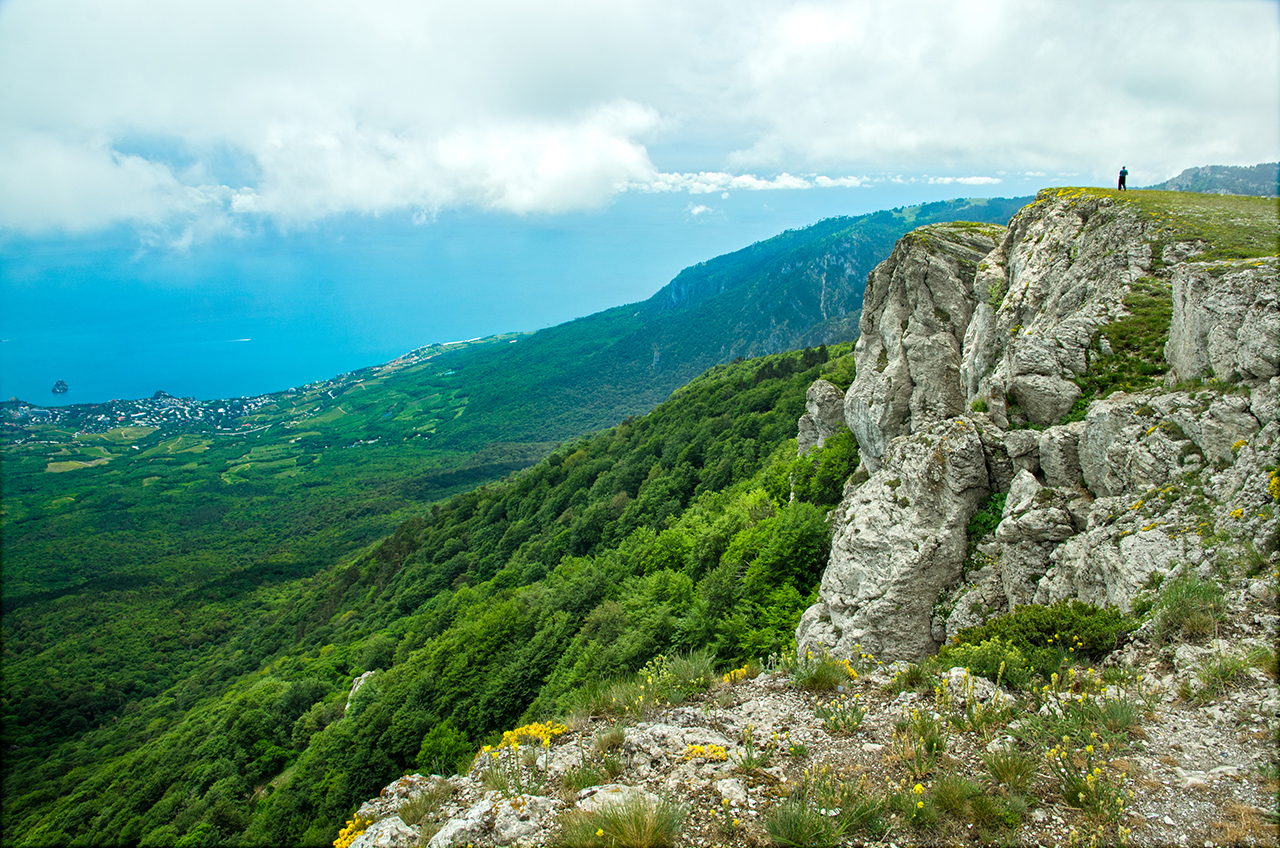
pixel 670 531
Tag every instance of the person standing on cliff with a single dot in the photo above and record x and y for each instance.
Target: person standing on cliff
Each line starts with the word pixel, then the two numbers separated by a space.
pixel 1124 173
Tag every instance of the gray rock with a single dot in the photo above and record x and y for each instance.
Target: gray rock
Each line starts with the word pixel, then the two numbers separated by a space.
pixel 1024 449
pixel 824 417
pixel 732 790
pixel 1044 398
pixel 1226 320
pixel 1264 401
pixel 917 305
pixel 980 598
pixel 1000 468
pixel 1060 456
pixel 899 544
pixel 1059 276
pixel 387 833
pixel 806 434
pixel 590 800
pixel 1109 566
pixel 395 794
pixel 518 820
pixel 467 828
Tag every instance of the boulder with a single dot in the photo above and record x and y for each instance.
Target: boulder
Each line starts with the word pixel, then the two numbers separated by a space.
pixel 470 827
pixel 1034 520
pixel 899 543
pixel 518 820
pixel 1060 456
pixel 1110 564
pixel 592 799
pixel 1023 447
pixel 1044 398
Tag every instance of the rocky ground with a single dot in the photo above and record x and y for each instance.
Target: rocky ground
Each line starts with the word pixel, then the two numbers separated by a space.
pixel 1202 770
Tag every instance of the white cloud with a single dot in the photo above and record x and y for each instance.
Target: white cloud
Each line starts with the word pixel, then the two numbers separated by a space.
pixel 964 180
pixel 698 210
pixel 116 110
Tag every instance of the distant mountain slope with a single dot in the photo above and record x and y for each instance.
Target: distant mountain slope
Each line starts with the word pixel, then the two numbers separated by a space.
pixel 1257 180
pixel 802 287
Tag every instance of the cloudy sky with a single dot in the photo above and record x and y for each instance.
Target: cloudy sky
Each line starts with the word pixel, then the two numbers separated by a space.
pixel 385 174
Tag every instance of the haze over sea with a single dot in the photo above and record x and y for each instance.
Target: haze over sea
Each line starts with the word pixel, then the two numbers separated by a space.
pixel 115 319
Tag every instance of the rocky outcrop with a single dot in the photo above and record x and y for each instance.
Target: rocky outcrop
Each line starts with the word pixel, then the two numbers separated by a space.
pixel 899 542
pixel 1226 321
pixel 1059 275
pixel 915 311
pixel 1099 509
pixel 824 416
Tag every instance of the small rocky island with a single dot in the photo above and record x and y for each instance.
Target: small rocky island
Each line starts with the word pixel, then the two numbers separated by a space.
pixel 60 387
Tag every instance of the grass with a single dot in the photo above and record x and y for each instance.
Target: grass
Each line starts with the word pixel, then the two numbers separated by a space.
pixel 425 803
pixel 637 822
pixel 1234 227
pixel 825 810
pixel 1217 674
pixel 822 673
pixel 841 715
pixel 1009 769
pixel 1137 346
pixel 1187 608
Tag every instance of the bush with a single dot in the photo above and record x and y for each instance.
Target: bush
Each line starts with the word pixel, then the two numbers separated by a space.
pixel 986 519
pixel 819 476
pixel 992 658
pixel 1049 635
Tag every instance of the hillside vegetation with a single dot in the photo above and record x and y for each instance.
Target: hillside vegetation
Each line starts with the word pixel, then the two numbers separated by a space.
pixel 667 532
pixel 144 541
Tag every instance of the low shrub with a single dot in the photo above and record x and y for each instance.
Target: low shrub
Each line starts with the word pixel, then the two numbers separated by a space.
pixel 994 659
pixel 1049 636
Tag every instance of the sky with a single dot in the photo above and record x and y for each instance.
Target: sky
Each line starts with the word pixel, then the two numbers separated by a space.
pixel 225 198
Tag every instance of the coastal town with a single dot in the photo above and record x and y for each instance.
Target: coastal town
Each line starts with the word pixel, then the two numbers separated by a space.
pixel 22 422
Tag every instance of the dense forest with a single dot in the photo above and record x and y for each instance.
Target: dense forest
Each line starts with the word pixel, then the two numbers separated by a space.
pixel 695 525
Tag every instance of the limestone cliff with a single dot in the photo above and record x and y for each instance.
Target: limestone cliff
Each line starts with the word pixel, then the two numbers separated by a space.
pixel 976 351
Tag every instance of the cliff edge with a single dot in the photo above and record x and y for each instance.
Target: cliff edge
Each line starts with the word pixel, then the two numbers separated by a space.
pixel 1107 368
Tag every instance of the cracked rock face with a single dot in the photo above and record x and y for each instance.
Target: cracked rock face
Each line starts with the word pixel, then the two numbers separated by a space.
pixel 915 311
pixel 1226 320
pixel 1059 275
pixel 900 541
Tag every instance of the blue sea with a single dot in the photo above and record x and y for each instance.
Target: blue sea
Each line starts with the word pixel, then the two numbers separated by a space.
pixel 241 315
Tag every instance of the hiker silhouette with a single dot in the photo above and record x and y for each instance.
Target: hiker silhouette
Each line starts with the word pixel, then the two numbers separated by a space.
pixel 1124 172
